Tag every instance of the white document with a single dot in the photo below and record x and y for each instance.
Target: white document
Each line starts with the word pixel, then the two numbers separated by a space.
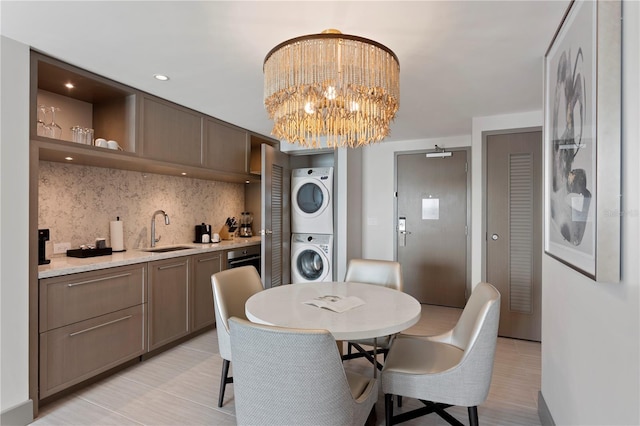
pixel 336 303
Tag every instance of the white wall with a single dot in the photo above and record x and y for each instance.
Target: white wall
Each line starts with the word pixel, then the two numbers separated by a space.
pixel 14 223
pixel 591 331
pixel 378 187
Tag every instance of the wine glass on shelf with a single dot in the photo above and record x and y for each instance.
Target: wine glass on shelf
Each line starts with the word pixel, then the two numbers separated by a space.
pixel 42 126
pixel 55 131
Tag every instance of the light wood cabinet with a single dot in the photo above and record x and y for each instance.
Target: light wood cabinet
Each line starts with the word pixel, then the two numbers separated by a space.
pixel 95 102
pixel 155 135
pixel 226 147
pixel 170 132
pixel 204 266
pixel 168 301
pixel 90 322
pixel 255 152
pixel 71 354
pixel 71 298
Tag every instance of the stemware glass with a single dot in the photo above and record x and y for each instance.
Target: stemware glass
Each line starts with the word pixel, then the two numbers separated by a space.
pixel 55 131
pixel 42 126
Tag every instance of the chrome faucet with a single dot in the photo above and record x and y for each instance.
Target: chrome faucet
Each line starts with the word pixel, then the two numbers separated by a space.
pixel 153 225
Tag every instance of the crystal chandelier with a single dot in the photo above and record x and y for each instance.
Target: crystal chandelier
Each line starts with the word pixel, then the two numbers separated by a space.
pixel 331 85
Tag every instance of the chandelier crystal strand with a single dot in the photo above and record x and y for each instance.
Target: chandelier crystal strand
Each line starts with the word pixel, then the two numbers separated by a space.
pixel 341 87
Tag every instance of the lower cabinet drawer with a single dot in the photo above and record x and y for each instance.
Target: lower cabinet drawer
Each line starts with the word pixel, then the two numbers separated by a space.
pixel 71 354
pixel 77 297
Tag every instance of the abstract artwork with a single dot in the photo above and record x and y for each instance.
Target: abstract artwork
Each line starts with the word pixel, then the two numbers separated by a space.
pixel 582 141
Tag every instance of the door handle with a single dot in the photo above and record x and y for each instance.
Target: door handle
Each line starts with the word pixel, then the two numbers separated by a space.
pixel 495 237
pixel 266 232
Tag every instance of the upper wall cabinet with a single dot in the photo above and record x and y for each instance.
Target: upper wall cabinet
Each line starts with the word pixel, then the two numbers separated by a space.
pixel 151 134
pixel 170 132
pixel 226 147
pixel 255 157
pixel 64 97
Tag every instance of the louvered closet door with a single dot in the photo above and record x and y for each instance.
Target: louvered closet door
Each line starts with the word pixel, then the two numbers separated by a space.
pixel 276 235
pixel 514 230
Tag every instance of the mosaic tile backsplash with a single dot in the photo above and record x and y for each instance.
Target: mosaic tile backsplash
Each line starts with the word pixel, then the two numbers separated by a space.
pixel 77 203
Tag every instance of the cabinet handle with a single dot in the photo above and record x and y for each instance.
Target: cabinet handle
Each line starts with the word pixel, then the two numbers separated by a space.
pixel 243 260
pixel 175 265
pixel 99 326
pixel 98 280
pixel 209 259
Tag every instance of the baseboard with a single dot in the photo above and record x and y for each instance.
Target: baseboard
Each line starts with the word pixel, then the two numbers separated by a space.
pixel 18 415
pixel 543 412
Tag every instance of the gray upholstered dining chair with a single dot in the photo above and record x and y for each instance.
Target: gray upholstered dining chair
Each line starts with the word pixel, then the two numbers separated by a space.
pixel 231 289
pixel 380 272
pixel 453 368
pixel 291 376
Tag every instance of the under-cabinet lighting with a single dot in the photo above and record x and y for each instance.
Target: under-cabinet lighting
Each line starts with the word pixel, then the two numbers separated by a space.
pixel 161 77
pixel 68 158
pixel 183 173
pixel 69 86
pixel 246 181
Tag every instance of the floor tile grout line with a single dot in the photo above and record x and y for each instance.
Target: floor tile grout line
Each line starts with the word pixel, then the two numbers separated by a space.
pixel 108 409
pixel 180 397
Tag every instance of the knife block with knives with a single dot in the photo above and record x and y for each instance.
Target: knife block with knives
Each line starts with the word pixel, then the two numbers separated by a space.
pixel 227 232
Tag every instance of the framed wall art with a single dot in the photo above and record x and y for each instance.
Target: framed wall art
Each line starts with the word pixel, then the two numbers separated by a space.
pixel 582 125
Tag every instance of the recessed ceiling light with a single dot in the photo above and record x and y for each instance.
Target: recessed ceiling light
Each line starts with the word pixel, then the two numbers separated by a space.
pixel 69 86
pixel 161 77
pixel 68 158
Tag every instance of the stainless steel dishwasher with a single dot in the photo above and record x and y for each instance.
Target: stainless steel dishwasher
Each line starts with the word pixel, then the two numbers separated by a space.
pixel 243 257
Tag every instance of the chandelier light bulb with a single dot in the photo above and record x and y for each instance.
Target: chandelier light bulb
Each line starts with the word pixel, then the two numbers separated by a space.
pixel 330 93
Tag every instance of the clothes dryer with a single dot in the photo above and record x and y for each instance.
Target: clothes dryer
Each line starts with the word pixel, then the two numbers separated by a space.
pixel 311 258
pixel 312 200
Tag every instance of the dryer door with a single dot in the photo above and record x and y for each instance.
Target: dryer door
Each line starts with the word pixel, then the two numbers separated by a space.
pixel 310 198
pixel 311 264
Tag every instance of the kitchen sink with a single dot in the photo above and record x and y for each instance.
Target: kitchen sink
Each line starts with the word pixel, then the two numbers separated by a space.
pixel 166 249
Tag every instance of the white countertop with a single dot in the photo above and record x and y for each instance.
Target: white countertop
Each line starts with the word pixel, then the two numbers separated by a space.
pixel 64 265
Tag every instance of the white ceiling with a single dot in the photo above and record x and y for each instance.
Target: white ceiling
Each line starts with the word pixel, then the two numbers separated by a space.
pixel 458 59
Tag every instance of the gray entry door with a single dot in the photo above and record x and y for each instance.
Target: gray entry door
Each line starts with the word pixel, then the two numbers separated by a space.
pixel 276 219
pixel 514 230
pixel 432 248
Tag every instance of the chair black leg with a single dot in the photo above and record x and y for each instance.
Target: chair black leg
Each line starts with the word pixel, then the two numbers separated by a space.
pixel 223 380
pixel 473 415
pixel 388 409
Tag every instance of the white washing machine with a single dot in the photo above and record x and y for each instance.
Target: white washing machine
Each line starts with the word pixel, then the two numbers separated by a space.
pixel 311 258
pixel 312 200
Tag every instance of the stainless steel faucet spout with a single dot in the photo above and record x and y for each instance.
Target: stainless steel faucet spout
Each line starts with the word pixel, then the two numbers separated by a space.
pixel 153 225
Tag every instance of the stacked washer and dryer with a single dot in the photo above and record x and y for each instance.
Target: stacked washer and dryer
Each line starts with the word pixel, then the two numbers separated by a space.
pixel 312 224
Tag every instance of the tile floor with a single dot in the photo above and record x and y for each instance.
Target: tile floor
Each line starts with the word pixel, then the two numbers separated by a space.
pixel 180 387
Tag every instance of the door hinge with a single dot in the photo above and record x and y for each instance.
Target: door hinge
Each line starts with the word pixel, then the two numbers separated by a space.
pixel 466 230
pixel 395 194
pixel 466 167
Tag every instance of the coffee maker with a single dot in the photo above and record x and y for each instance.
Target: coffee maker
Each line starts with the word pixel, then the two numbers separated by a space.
pixel 203 233
pixel 246 218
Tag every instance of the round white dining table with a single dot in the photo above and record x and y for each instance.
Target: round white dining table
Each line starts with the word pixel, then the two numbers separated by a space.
pixel 385 311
